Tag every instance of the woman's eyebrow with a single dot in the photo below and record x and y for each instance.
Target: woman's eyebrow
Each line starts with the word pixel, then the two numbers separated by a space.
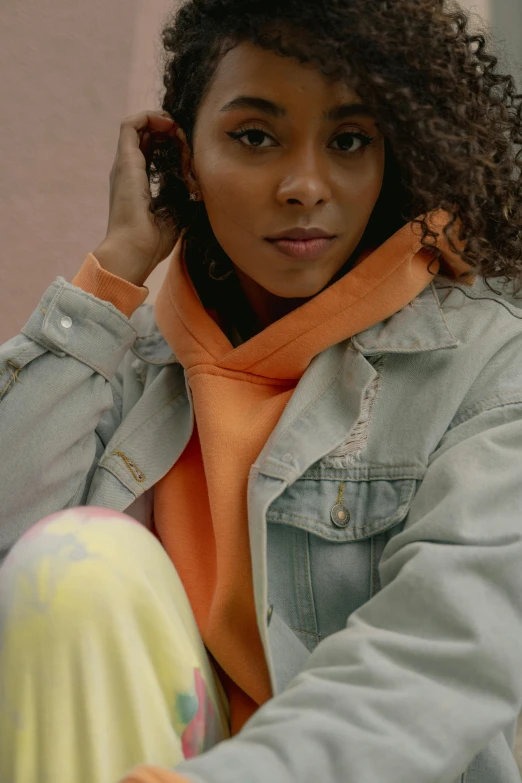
pixel 250 102
pixel 341 112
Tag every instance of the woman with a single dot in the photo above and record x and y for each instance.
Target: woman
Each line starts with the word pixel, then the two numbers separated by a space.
pixel 320 420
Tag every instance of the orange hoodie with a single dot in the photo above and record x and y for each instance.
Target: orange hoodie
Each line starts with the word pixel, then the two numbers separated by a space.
pixel 200 506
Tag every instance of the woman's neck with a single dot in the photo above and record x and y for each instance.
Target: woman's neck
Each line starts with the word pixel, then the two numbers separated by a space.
pixel 266 307
pixel 245 305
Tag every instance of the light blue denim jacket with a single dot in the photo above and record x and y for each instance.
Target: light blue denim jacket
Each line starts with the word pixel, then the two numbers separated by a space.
pixel 385 519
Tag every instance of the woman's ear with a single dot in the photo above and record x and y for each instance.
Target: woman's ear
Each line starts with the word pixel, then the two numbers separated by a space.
pixel 187 169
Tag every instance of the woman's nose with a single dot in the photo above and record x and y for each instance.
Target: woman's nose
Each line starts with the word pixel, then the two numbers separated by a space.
pixel 305 184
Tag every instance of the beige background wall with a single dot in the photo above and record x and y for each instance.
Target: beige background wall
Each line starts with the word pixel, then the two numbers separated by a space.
pixel 70 72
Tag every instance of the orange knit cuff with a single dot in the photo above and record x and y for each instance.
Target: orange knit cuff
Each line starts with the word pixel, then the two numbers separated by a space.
pixel 95 280
pixel 153 775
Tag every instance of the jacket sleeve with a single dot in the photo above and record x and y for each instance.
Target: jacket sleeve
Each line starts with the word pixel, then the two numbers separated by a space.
pixel 60 402
pixel 428 671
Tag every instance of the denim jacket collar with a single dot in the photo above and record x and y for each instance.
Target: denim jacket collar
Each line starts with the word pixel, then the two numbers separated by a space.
pixel 420 326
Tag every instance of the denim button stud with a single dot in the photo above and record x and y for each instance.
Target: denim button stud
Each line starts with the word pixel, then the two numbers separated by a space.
pixel 340 515
pixel 66 322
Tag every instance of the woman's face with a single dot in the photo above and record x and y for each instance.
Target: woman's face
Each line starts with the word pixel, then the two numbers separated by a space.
pixel 278 148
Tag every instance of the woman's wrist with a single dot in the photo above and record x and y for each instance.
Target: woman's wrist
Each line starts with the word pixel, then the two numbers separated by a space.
pixel 118 261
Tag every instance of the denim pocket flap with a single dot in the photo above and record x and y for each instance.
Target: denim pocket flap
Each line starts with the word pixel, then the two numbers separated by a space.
pixel 343 510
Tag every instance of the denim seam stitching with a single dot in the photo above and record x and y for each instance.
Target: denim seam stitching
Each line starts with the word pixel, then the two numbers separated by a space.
pixel 402 502
pixel 115 314
pixel 439 308
pixel 372 564
pixel 319 394
pixel 156 412
pixel 112 470
pixel 362 532
pixel 91 364
pixel 313 610
pixel 13 376
pixel 490 403
pixel 118 395
pixel 296 577
pixel 317 636
pixel 15 358
pixel 309 476
pixel 308 583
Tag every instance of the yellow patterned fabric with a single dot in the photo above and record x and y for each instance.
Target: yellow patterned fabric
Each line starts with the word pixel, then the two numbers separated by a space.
pixel 102 666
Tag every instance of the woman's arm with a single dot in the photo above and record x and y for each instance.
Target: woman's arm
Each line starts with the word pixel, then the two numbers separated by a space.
pixel 428 671
pixel 60 399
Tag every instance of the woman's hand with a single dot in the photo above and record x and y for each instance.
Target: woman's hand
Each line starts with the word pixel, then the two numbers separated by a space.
pixel 135 244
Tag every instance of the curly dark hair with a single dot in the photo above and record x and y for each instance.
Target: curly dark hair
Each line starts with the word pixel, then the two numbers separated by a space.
pixel 452 124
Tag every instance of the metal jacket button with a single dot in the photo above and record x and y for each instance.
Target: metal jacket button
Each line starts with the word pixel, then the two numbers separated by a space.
pixel 340 515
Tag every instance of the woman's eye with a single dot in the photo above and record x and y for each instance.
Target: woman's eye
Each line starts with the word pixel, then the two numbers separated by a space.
pixel 352 142
pixel 256 138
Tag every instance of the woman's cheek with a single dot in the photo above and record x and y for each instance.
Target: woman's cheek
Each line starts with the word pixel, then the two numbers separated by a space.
pixel 221 180
pixel 230 197
pixel 366 182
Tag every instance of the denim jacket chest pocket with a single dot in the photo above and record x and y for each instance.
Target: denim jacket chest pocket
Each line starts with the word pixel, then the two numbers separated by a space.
pixel 326 534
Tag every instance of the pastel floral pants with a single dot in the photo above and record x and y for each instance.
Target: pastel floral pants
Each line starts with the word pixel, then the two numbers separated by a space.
pixel 102 667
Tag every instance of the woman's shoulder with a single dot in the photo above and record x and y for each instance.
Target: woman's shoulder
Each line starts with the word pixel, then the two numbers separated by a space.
pixel 486 311
pixel 487 326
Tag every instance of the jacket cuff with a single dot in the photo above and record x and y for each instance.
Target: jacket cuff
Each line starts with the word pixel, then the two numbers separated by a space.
pixel 71 321
pixel 95 280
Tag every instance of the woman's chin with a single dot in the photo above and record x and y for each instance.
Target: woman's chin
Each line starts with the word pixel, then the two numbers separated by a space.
pixel 297 289
pixel 294 293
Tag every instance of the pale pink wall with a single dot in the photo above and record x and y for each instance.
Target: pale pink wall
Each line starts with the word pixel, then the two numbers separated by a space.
pixel 70 73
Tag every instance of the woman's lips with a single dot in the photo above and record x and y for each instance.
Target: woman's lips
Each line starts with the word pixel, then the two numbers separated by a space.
pixel 302 248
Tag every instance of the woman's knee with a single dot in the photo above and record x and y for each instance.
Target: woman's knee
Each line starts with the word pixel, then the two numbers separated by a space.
pixel 77 563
